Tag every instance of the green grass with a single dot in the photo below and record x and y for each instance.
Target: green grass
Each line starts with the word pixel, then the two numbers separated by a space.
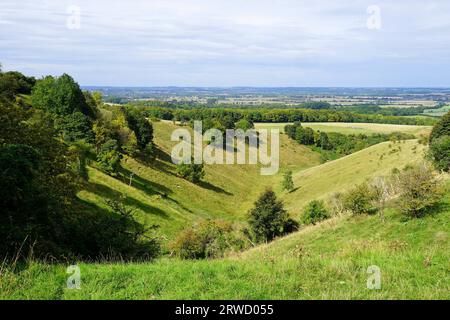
pixel 336 176
pixel 158 196
pixel 352 128
pixel 326 261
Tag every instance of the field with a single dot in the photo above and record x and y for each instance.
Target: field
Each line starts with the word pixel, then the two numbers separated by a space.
pixel 437 112
pixel 352 128
pixel 326 261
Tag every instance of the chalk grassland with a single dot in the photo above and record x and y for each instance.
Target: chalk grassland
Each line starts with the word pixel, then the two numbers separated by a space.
pixel 158 196
pixel 353 128
pixel 322 181
pixel 326 261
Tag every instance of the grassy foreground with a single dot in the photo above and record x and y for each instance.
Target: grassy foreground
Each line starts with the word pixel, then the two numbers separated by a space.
pixel 327 261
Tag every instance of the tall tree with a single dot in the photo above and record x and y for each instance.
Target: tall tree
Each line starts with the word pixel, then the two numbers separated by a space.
pixel 268 218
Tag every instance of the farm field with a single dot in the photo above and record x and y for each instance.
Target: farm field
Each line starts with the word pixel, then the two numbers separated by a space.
pixel 352 128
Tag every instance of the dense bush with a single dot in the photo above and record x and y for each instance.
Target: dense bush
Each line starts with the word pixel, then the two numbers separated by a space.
pixel 440 143
pixel 362 199
pixel 315 212
pixel 268 219
pixel 209 239
pixel 191 172
pixel 440 153
pixel 419 190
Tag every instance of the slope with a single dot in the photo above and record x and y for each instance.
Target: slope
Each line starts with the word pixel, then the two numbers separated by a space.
pixel 158 196
pixel 335 176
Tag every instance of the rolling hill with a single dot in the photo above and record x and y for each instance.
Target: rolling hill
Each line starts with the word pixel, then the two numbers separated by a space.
pixel 326 261
pixel 158 196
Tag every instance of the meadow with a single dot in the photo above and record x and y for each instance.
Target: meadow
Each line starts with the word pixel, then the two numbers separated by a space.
pixel 326 261
pixel 352 128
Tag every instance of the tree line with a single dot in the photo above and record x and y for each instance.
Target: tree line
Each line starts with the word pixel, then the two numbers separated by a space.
pixel 278 115
pixel 51 131
pixel 333 144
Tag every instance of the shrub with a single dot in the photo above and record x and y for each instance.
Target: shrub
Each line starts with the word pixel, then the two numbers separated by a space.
pixel 315 212
pixel 419 191
pixel 440 153
pixel 288 183
pixel 361 200
pixel 191 172
pixel 209 239
pixel 268 219
pixel 121 235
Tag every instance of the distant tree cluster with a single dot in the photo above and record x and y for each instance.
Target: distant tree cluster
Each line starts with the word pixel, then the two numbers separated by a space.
pixel 338 144
pixel 274 115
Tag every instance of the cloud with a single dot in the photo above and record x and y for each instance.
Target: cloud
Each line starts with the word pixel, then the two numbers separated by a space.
pixel 230 42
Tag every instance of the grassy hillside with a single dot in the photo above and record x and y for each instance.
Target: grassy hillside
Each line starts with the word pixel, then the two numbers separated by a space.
pixel 335 176
pixel 159 196
pixel 353 128
pixel 327 261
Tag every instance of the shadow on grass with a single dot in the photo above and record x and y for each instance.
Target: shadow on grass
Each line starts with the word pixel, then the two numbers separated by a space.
pixel 149 187
pixel 110 194
pixel 209 186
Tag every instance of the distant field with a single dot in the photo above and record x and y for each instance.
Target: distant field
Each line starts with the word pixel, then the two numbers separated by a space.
pixel 352 128
pixel 437 112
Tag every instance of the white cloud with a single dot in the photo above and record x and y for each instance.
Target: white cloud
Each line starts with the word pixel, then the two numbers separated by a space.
pixel 230 42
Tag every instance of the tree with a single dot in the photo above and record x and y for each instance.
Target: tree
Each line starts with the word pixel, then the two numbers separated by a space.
pixel 75 127
pixel 60 96
pixel 191 172
pixel 288 183
pixel 440 153
pixel 268 219
pixel 109 157
pixel 141 127
pixel 315 212
pixel 442 128
pixel 324 142
pixel 440 143
pixel 244 125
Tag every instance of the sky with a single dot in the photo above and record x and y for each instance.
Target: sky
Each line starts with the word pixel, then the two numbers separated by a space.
pixel 222 43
